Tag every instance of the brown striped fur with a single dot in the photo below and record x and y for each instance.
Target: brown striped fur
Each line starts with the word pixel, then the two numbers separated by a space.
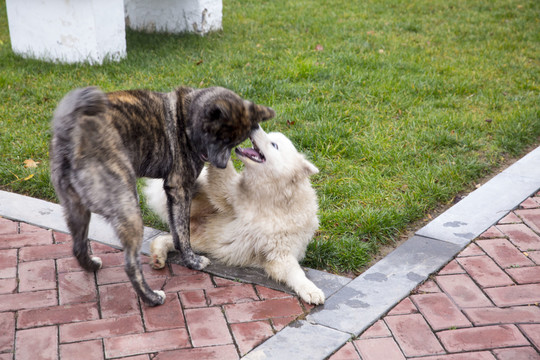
pixel 103 141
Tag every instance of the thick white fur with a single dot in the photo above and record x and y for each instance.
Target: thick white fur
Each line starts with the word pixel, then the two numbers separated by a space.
pixel 264 216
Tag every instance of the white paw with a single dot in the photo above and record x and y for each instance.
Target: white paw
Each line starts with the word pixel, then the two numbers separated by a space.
pixel 161 294
pixel 204 261
pixel 311 294
pixel 96 260
pixel 158 262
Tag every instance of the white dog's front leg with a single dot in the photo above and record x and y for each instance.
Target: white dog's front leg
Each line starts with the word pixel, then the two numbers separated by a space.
pixel 159 247
pixel 288 271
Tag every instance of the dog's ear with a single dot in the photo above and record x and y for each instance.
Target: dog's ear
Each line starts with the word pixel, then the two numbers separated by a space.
pixel 261 113
pixel 217 111
pixel 309 168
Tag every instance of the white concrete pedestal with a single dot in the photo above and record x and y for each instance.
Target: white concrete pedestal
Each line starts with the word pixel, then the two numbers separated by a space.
pixel 174 16
pixel 67 31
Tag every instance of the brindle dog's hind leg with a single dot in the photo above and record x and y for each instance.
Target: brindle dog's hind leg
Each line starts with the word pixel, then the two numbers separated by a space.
pixel 129 228
pixel 78 219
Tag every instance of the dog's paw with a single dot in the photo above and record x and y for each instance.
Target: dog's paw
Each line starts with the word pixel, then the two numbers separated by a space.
pixel 161 295
pixel 311 294
pixel 196 262
pixel 158 262
pixel 97 263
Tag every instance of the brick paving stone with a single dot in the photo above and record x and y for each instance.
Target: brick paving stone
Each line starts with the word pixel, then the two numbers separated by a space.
pixel 76 287
pixel 515 295
pixel 226 282
pixel 531 218
pixel 61 238
pixel 471 250
pixel 68 265
pixel 182 270
pixel 504 253
pixel 111 260
pixel 118 300
pixel 8 227
pixel 452 267
pixel 427 288
pixel 440 312
pixel 231 294
pixel 196 281
pixel 43 252
pixel 27 228
pixel 482 338
pixel 250 334
pixel 111 275
pixel 166 316
pixel 534 256
pixel 37 275
pixel 262 310
pixel 522 236
pixel 492 232
pixel 480 355
pixel 280 322
pixel 532 331
pixel 377 349
pixel 15 241
pixel 146 343
pixel 517 353
pixel 7 335
pixel 347 352
pixel 220 352
pixel 267 293
pixel 462 290
pixel 42 341
pixel 8 263
pixel 528 203
pixel 57 315
pixel 101 328
pixel 485 272
pixel 510 218
pixel 28 300
pixel 207 326
pixel 405 306
pixel 8 286
pixel 379 329
pixel 525 275
pixel 193 299
pixel 413 335
pixel 86 350
pixel 99 248
pixel 495 315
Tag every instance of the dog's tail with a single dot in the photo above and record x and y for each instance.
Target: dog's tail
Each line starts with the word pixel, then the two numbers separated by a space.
pixel 84 101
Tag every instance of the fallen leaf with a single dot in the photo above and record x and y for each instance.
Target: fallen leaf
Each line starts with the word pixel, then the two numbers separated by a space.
pixel 199 62
pixel 289 123
pixel 29 163
pixel 28 177
pixel 319 47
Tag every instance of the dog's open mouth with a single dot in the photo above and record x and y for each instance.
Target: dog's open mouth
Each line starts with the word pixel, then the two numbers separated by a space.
pixel 253 153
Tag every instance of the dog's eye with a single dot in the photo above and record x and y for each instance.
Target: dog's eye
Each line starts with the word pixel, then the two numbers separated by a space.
pixel 275 145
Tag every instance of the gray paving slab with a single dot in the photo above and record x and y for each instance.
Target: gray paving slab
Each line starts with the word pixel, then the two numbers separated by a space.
pixel 360 303
pixel 300 341
pixel 488 204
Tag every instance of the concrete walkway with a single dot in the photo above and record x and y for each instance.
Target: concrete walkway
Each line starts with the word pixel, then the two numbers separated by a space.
pixel 455 300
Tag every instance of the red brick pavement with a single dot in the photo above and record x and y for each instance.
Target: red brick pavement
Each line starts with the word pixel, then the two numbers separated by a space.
pixel 51 309
pixel 484 305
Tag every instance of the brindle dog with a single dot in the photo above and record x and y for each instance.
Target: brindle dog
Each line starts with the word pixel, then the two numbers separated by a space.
pixel 102 142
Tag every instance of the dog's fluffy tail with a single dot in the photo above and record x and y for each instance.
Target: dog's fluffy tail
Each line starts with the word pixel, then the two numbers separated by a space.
pixel 156 199
pixel 85 101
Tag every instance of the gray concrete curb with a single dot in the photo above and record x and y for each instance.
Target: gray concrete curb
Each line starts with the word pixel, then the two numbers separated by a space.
pixel 351 306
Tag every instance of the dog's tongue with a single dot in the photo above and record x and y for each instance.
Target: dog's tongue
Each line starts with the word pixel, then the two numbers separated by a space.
pixel 250 153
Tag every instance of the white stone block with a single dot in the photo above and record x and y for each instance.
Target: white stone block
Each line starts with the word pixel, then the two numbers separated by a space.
pixel 174 16
pixel 69 31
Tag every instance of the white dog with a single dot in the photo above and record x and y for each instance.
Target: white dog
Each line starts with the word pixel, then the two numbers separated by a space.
pixel 264 216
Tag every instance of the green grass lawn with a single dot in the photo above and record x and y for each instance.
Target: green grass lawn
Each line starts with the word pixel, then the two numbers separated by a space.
pixel 401 104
